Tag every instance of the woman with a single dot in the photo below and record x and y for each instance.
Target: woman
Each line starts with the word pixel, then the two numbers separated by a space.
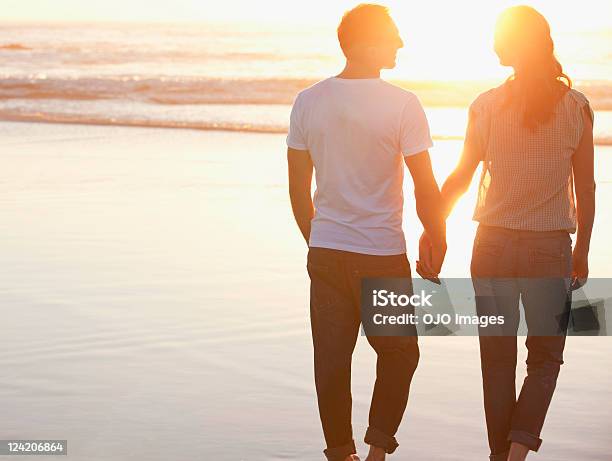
pixel 534 135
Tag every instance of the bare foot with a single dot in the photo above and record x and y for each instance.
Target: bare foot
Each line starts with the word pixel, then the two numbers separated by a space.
pixel 518 452
pixel 352 458
pixel 376 454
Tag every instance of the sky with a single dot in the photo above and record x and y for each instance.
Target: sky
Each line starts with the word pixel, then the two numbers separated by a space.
pixel 583 15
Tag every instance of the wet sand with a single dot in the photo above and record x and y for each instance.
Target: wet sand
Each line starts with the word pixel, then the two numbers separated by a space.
pixel 154 306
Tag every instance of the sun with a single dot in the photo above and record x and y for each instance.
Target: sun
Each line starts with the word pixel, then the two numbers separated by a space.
pixel 447 44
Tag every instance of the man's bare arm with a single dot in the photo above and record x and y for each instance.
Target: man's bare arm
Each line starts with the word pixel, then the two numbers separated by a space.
pixel 300 180
pixel 428 199
pixel 429 207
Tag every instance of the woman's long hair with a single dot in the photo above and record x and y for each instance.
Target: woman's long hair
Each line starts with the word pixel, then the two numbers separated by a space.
pixel 523 41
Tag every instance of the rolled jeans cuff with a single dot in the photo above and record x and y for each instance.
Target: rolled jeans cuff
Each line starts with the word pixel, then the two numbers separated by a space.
pixel 499 456
pixel 340 453
pixel 381 440
pixel 525 438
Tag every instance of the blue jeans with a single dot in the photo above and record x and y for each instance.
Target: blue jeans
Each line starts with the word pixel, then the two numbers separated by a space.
pixel 535 267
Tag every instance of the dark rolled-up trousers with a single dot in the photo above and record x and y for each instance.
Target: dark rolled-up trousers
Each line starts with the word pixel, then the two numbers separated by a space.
pixel 335 277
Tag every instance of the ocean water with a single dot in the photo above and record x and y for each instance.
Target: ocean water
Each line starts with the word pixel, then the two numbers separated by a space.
pixel 229 77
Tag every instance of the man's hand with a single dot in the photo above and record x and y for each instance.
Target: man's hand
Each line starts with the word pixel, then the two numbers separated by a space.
pixel 430 260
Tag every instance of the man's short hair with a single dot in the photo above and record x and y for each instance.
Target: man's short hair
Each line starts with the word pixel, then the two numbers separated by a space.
pixel 362 24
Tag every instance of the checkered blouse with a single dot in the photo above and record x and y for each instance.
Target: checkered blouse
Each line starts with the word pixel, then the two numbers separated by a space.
pixel 526 181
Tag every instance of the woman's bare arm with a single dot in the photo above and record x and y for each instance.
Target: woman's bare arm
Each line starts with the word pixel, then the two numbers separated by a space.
pixel 459 180
pixel 584 183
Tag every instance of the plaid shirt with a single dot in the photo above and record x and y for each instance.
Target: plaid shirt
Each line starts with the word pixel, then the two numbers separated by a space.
pixel 526 181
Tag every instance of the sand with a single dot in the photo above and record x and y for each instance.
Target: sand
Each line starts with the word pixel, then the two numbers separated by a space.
pixel 154 306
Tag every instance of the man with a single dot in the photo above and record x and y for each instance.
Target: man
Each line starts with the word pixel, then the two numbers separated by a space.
pixel 357 131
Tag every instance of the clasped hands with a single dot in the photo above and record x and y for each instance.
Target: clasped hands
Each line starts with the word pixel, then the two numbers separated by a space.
pixel 431 258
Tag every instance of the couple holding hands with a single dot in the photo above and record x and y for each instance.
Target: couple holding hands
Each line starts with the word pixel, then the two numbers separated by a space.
pixel 534 138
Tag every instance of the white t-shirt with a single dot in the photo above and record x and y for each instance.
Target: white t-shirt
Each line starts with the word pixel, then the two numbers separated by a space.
pixel 357 132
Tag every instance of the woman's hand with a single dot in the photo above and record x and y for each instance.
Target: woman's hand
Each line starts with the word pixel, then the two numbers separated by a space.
pixel 580 267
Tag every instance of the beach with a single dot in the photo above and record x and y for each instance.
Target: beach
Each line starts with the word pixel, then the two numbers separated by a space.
pixel 154 300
